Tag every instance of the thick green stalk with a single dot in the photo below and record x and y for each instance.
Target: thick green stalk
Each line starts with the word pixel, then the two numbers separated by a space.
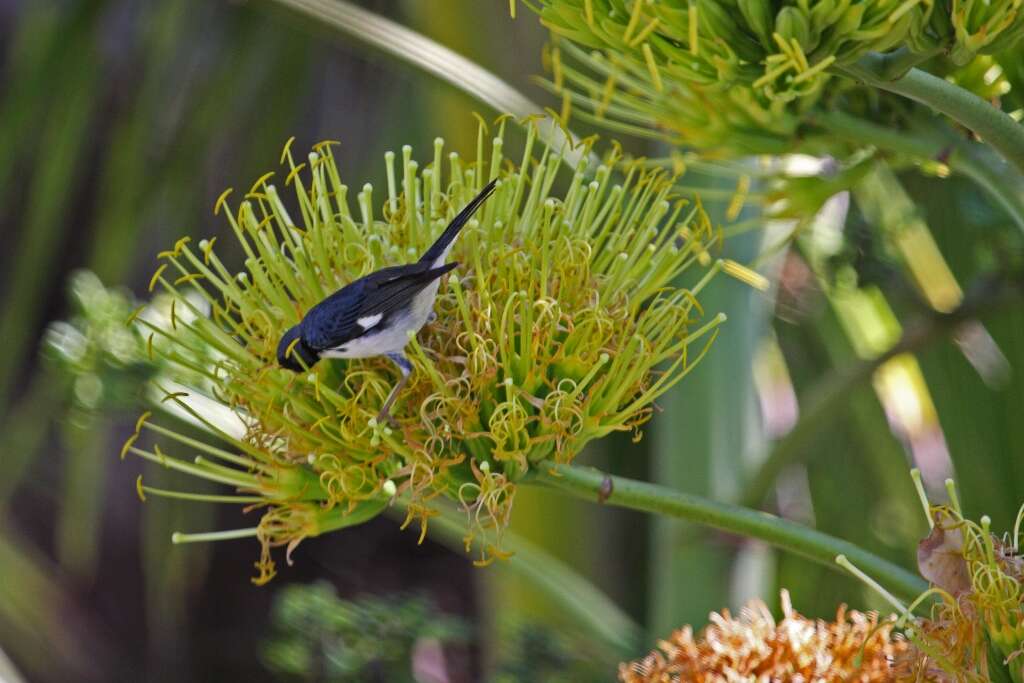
pixel 970 159
pixel 895 64
pixel 994 126
pixel 592 484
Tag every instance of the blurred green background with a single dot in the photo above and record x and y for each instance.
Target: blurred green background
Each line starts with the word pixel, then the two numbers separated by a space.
pixel 122 121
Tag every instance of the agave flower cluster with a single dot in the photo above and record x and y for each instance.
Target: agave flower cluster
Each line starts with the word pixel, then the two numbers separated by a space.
pixel 741 76
pixel 976 627
pixel 561 325
pixel 753 646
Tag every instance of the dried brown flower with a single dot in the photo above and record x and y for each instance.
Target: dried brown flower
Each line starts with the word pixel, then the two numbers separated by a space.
pixel 754 647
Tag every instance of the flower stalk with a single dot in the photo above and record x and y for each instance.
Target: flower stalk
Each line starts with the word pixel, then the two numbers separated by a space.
pixel 972 160
pixel 592 484
pixel 993 125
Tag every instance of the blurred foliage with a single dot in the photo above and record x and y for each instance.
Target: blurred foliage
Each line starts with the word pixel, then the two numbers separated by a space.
pixel 120 122
pixel 534 651
pixel 318 636
pixel 95 349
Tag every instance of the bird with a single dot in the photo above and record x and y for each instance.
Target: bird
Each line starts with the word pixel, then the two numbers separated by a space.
pixel 377 314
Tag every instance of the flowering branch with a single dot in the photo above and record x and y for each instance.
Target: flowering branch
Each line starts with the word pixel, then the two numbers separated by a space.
pixel 995 126
pixel 593 484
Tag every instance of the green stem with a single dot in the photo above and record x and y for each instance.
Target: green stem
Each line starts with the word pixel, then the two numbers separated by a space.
pixel 861 131
pixel 592 484
pixel 996 127
pixel 896 64
pixel 970 159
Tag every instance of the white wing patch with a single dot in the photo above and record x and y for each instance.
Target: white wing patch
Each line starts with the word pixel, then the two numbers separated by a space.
pixel 369 321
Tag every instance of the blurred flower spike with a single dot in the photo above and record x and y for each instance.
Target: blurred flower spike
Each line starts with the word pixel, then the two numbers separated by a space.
pixel 562 324
pixel 975 627
pixel 739 77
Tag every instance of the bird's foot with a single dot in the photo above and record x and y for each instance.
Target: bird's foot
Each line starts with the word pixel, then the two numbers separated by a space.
pixel 431 318
pixel 385 415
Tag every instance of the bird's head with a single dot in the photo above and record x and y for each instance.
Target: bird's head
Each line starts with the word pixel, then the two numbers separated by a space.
pixel 290 357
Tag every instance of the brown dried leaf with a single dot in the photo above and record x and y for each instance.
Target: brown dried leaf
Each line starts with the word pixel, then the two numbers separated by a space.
pixel 940 558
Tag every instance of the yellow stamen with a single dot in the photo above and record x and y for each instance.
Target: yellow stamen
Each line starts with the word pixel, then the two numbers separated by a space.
pixel 784 46
pixel 221 201
pixel 647 30
pixel 816 69
pixel 566 108
pixel 736 204
pixel 135 314
pixel 634 19
pixel 207 247
pixel 142 420
pixel 692 17
pixel 798 53
pixel 190 277
pixel 678 163
pixel 745 275
pixel 287 149
pixel 652 66
pixel 772 75
pixel 556 68
pixel 606 96
pixel 156 276
pixel 260 181
pixel 128 444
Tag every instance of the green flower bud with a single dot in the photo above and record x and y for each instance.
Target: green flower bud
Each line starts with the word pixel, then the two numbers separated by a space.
pixel 740 77
pixel 792 24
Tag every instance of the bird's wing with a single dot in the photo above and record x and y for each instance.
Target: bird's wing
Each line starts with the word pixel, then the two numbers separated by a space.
pixel 335 320
pixel 332 322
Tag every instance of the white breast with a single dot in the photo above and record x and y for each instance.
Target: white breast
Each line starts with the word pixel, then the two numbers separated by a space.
pixel 392 336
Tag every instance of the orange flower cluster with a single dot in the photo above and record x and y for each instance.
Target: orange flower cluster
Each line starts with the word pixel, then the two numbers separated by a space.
pixel 754 647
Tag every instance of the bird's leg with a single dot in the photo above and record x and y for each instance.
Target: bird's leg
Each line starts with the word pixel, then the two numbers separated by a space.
pixel 431 317
pixel 406 367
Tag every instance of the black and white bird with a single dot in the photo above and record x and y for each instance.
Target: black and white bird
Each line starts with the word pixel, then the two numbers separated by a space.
pixel 376 314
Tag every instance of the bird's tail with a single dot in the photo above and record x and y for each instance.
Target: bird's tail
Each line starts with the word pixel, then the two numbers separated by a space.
pixel 438 251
